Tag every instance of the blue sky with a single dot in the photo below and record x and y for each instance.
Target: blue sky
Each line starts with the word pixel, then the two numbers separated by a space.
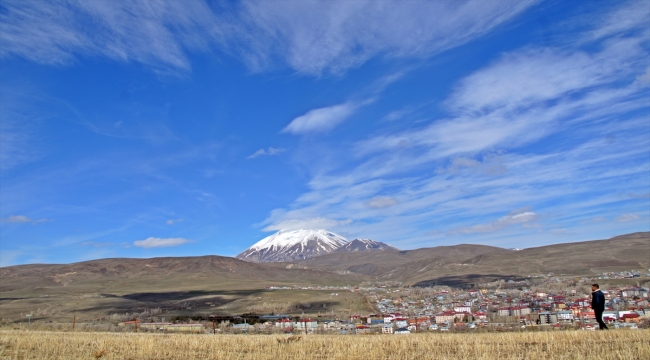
pixel 175 128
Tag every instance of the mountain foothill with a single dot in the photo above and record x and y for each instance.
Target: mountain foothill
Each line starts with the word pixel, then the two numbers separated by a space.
pixel 321 257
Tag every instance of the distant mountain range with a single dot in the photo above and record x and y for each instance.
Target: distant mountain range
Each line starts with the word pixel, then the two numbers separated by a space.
pixel 286 246
pixel 108 286
pixel 465 263
pixel 340 262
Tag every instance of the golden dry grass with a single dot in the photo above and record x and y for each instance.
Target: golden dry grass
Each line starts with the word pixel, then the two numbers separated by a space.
pixel 613 344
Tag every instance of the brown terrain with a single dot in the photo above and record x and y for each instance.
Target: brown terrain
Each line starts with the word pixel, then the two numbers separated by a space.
pixel 463 264
pixel 107 286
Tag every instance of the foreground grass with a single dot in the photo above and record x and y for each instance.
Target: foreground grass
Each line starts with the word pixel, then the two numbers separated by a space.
pixel 613 344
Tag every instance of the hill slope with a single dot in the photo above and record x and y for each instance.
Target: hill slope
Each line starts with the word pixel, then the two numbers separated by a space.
pixel 153 274
pixel 471 263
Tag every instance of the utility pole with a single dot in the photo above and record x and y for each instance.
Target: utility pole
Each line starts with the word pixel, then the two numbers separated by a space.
pixel 29 319
pixel 74 320
pixel 582 314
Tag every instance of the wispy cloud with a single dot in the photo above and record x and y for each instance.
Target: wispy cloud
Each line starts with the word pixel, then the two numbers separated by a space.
pixel 155 34
pixel 321 120
pixel 627 217
pixel 515 217
pixel 484 156
pixel 97 244
pixel 625 19
pixel 381 202
pixel 333 36
pixel 23 219
pixel 173 221
pixel 307 223
pixel 310 37
pixel 153 242
pixel 269 151
pixel 594 220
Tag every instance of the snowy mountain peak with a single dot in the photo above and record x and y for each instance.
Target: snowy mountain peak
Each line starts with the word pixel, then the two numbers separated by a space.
pixel 293 245
pixel 365 245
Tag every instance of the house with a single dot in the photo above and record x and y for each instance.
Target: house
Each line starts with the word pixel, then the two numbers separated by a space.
pixel 445 316
pixel 154 325
pixel 402 331
pixel 306 324
pixel 243 327
pixel 547 318
pixel 630 317
pixel 362 329
pixel 609 318
pixel 132 322
pixel 184 328
pixel 400 322
pixel 587 315
pixel 481 315
pixel 504 311
pixel 419 321
pixel 331 324
pixel 285 324
pixel 565 315
pixel 519 311
pixel 387 329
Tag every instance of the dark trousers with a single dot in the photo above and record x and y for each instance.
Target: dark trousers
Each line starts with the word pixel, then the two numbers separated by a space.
pixel 599 319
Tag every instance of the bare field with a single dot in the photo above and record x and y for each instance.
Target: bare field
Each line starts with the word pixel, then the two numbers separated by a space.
pixel 613 344
pixel 90 307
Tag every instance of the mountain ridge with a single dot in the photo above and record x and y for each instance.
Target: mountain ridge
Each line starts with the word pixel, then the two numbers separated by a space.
pixel 304 244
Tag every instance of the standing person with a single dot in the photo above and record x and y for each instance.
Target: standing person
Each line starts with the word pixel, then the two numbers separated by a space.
pixel 598 305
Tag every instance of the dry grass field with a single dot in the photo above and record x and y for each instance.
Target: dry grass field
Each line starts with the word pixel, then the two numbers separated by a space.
pixel 613 344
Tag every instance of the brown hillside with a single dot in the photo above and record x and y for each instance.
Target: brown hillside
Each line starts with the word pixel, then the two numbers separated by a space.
pixel 477 263
pixel 142 274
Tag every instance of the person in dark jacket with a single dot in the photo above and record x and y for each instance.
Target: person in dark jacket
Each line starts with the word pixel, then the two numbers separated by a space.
pixel 598 305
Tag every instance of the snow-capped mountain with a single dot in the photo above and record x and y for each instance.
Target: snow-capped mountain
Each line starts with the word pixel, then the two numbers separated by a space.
pixel 293 245
pixel 365 245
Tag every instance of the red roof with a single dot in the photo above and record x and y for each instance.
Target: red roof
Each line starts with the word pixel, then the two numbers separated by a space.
pixel 630 316
pixel 447 313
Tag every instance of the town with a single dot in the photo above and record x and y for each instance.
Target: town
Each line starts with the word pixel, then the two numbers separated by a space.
pixel 532 304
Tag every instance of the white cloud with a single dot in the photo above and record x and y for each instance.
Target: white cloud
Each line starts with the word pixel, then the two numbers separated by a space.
pixel 486 155
pixel 153 33
pixel 595 220
pixel 307 223
pixel 269 151
pixel 22 219
pixel 525 96
pixel 332 36
pixel 515 217
pixel 308 36
pixel 629 17
pixel 491 165
pixel 561 232
pixel 381 202
pixel 644 79
pixel 97 244
pixel 153 242
pixel 173 221
pixel 627 217
pixel 321 120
